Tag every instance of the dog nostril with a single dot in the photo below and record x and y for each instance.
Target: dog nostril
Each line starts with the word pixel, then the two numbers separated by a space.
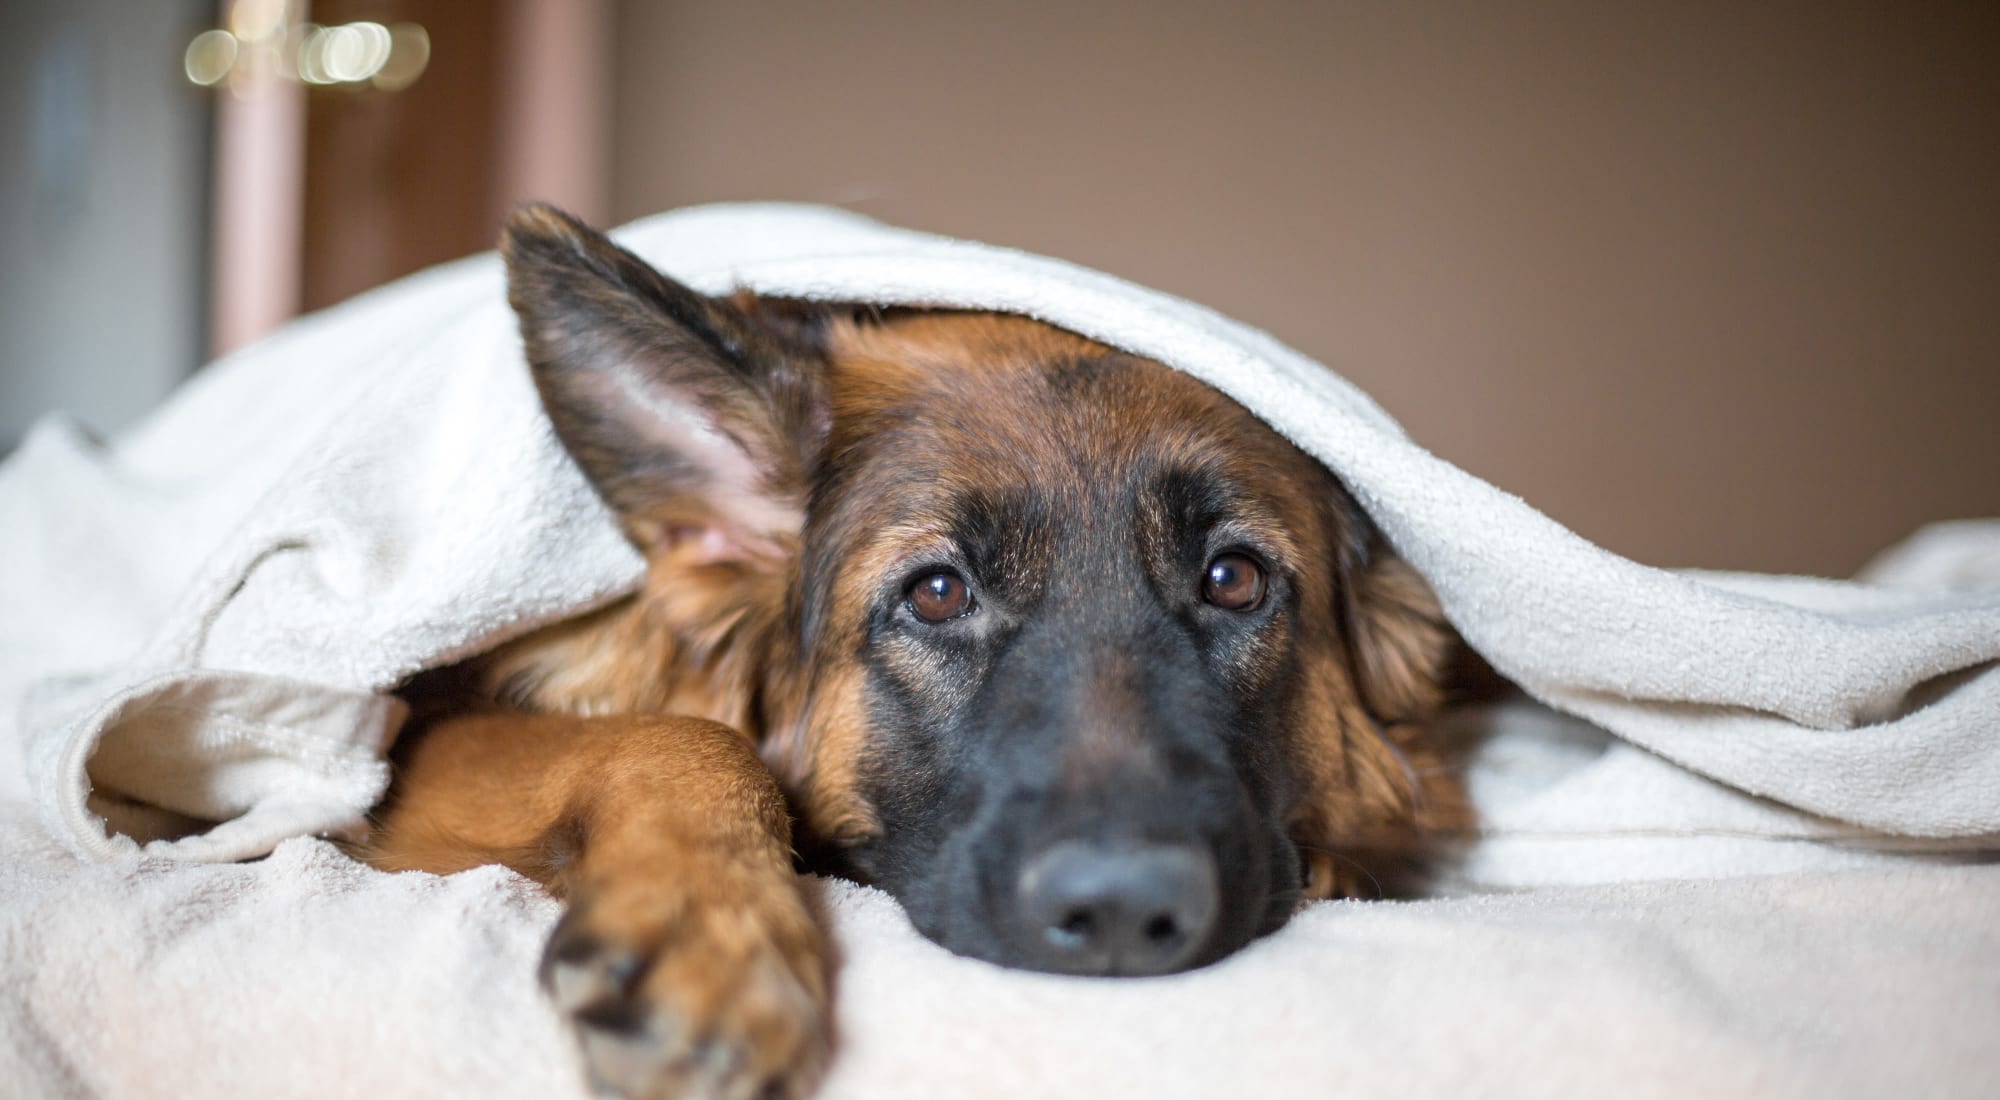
pixel 1161 929
pixel 1076 928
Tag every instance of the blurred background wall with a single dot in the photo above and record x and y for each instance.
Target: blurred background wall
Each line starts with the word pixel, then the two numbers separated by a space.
pixel 103 186
pixel 1712 284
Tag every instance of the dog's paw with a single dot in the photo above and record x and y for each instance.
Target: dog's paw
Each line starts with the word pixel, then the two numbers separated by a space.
pixel 673 993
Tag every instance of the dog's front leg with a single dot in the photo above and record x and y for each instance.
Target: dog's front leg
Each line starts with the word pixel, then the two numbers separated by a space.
pixel 688 962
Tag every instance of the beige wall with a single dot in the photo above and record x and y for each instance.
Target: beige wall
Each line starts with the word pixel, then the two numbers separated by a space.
pixel 1711 287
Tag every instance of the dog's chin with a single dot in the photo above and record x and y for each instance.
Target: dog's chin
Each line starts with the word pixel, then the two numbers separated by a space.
pixel 964 914
pixel 1019 948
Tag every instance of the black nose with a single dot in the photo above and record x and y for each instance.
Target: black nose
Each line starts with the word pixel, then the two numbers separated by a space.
pixel 1141 908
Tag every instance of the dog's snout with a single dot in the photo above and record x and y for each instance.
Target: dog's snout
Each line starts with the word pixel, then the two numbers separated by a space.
pixel 1130 909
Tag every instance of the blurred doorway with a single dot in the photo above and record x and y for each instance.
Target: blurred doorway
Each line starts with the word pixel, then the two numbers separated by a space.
pixel 361 140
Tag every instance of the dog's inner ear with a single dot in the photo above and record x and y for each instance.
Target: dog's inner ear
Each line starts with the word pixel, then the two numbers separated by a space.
pixel 697 420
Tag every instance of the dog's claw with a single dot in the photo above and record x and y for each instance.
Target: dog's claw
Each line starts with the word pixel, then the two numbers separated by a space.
pixel 701 1000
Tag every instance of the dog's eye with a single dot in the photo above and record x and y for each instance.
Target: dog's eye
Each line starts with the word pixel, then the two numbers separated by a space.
pixel 1233 583
pixel 940 596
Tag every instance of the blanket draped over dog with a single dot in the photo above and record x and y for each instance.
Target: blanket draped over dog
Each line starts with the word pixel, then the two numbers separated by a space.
pixel 200 620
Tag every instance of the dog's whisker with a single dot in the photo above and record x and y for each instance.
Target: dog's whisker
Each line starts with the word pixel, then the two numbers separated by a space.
pixel 1380 890
pixel 1412 783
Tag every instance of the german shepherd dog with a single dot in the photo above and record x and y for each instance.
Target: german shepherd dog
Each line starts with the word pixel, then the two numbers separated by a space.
pixel 1085 665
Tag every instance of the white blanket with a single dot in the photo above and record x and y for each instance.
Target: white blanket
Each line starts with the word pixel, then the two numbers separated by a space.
pixel 198 621
pixel 306 975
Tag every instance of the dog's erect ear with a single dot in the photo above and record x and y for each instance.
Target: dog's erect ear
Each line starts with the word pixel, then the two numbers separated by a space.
pixel 696 422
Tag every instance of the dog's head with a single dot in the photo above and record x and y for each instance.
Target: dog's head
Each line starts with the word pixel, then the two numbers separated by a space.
pixel 1082 662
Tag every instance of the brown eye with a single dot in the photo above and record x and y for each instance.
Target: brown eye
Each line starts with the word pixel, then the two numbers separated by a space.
pixel 1233 583
pixel 940 596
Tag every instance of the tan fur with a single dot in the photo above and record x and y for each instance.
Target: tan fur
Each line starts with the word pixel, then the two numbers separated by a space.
pixel 662 834
pixel 694 640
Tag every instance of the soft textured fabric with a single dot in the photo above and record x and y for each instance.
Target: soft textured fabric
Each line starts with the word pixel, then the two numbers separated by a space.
pixel 306 975
pixel 199 622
